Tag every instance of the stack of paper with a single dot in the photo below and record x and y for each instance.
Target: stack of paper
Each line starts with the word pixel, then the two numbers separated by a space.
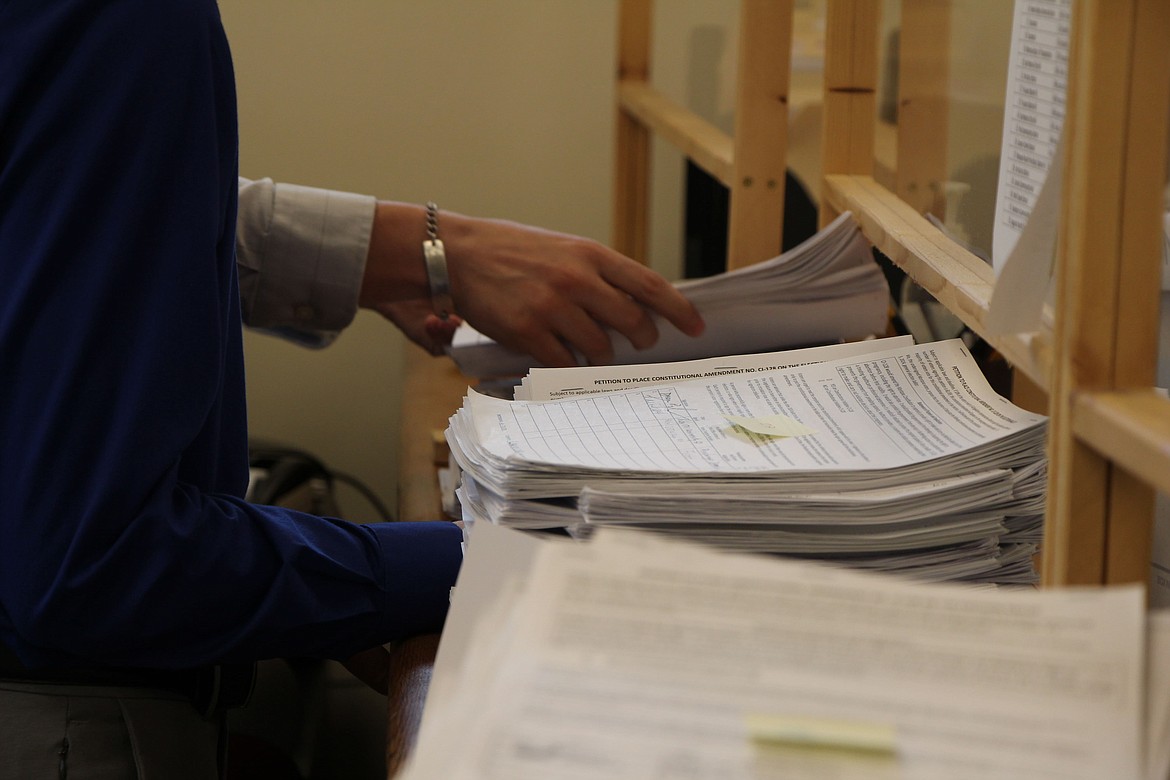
pixel 635 657
pixel 897 459
pixel 826 289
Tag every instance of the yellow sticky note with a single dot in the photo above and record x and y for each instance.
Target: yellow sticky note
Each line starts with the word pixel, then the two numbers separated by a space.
pixel 822 732
pixel 775 425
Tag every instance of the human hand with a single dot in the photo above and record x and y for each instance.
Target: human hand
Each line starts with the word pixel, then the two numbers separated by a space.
pixel 551 295
pixel 418 321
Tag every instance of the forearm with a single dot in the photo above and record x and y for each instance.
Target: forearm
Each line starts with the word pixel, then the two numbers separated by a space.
pixel 394 268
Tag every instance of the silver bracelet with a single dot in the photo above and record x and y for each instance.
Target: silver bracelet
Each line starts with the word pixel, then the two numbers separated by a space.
pixel 436 262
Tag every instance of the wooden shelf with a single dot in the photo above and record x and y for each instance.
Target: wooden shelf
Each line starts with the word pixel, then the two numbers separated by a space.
pixel 1129 427
pixel 1109 445
pixel 960 280
pixel 706 145
pixel 751 164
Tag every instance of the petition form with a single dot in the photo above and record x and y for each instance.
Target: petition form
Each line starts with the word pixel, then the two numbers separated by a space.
pixel 869 416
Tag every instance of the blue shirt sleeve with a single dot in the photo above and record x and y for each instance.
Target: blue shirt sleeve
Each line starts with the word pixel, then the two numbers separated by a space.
pixel 124 539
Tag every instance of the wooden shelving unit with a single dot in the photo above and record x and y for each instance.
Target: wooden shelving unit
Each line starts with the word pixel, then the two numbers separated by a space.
pixel 1109 441
pixel 751 165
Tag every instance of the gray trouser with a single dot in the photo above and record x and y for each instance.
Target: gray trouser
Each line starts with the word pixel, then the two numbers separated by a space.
pixel 51 731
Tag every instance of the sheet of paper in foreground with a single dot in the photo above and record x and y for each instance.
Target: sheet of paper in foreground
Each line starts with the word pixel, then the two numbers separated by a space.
pixel 634 657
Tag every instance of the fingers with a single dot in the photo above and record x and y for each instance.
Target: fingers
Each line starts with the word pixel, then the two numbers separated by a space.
pixel 654 293
pixel 583 333
pixel 440 331
pixel 421 325
pixel 554 342
pixel 622 295
pixel 548 351
pixel 568 307
pixel 606 305
pixel 561 318
pixel 555 296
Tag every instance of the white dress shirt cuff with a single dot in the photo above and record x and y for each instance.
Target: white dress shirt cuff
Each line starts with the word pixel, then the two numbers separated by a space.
pixel 301 254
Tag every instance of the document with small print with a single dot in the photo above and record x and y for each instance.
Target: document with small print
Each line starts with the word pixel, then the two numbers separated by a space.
pixel 631 657
pixel 878 418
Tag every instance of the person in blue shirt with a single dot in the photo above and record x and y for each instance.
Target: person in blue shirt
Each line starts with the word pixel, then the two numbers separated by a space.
pixel 131 568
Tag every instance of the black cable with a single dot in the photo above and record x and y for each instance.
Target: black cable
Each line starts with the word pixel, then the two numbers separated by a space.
pixel 367 494
pixel 292 463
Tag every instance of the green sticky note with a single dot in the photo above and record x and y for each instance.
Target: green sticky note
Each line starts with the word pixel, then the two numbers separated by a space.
pixel 775 425
pixel 830 733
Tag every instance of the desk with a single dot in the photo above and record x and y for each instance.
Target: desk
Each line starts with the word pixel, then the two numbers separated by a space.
pixel 432 390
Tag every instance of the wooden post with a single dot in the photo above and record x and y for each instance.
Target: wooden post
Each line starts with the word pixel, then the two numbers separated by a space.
pixel 923 73
pixel 756 217
pixel 631 202
pixel 1098 522
pixel 851 67
pixel 1131 502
